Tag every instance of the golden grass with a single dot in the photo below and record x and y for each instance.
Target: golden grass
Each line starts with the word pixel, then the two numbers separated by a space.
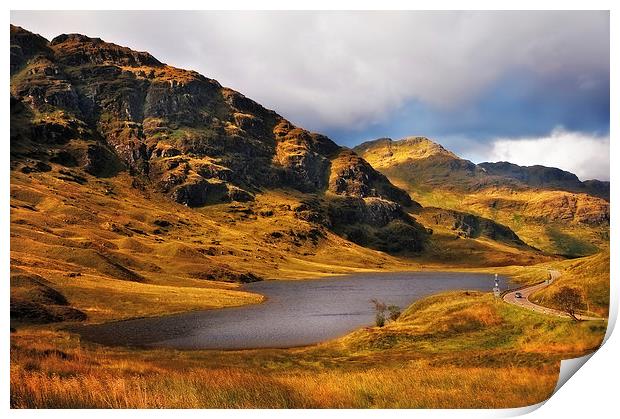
pixel 458 349
pixel 104 228
pixel 411 386
pixel 590 275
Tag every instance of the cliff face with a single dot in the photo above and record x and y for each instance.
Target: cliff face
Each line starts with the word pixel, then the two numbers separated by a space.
pixel 196 140
pixel 85 104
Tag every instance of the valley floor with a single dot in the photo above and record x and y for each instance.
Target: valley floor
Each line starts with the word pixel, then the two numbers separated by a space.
pixel 110 252
pixel 457 349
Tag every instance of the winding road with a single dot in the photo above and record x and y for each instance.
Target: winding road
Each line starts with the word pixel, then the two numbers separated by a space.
pixel 523 301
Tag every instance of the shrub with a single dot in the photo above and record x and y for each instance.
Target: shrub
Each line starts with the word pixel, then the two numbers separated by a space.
pixel 569 300
pixel 394 312
pixel 380 319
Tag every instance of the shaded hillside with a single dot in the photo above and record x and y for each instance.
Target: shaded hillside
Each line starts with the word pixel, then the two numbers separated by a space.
pixel 548 208
pixel 547 178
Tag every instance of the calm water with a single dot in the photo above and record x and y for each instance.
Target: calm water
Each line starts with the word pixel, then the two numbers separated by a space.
pixel 296 313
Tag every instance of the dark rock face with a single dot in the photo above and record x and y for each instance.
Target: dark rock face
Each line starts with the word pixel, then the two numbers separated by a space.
pixel 597 188
pixel 100 162
pixel 532 175
pixel 50 132
pixel 217 273
pixel 353 176
pixel 25 45
pixel 179 131
pixel 375 212
pixel 201 192
pixel 36 167
pixel 376 223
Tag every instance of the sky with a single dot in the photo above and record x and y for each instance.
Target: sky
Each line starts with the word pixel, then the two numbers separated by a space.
pixel 530 87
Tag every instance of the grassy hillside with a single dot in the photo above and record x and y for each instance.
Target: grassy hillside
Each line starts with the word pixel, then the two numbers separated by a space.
pixel 589 275
pixel 459 349
pixel 114 251
pixel 548 208
pixel 99 239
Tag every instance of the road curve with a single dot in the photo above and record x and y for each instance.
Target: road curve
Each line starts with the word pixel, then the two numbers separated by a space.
pixel 511 298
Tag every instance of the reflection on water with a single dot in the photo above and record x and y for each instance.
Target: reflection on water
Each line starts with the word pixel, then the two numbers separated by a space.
pixel 296 313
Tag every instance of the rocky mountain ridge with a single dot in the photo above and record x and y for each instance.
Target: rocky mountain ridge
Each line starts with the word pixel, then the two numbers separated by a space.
pixel 421 153
pixel 185 132
pixel 83 103
pixel 549 207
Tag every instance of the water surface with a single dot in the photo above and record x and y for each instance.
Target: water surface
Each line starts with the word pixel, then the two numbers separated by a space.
pixel 296 313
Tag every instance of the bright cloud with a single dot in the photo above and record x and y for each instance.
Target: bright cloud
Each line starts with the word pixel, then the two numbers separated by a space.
pixel 584 154
pixel 348 70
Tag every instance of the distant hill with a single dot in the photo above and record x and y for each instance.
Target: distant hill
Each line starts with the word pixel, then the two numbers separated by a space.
pixel 549 208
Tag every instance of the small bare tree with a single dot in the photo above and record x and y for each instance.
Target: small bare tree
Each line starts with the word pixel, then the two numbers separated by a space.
pixel 569 300
pixel 380 308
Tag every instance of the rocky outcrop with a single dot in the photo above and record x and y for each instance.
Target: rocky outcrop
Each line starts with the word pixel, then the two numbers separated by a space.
pixel 376 223
pixel 353 176
pixel 375 212
pixel 199 192
pixel 24 46
pixel 177 130
pixel 472 226
pixel 75 50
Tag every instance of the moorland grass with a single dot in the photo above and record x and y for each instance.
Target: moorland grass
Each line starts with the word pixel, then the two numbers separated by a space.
pixel 457 349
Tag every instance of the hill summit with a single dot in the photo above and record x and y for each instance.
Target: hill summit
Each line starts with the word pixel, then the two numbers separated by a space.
pixel 132 178
pixel 548 207
pixel 105 107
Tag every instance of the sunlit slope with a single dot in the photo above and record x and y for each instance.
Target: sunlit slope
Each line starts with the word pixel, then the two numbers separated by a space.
pixel 548 208
pixel 481 330
pixel 458 349
pixel 589 275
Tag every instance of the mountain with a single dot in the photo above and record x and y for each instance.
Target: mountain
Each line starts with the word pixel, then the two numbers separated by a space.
pixel 101 107
pixel 131 178
pixel 547 177
pixel 548 208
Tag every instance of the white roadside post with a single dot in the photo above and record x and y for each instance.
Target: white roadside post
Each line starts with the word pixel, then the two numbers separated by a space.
pixel 496 290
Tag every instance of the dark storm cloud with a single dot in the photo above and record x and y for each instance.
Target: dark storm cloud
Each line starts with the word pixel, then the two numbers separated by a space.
pixel 517 105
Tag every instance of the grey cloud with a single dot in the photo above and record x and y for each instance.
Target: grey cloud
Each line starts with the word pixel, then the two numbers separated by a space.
pixel 350 69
